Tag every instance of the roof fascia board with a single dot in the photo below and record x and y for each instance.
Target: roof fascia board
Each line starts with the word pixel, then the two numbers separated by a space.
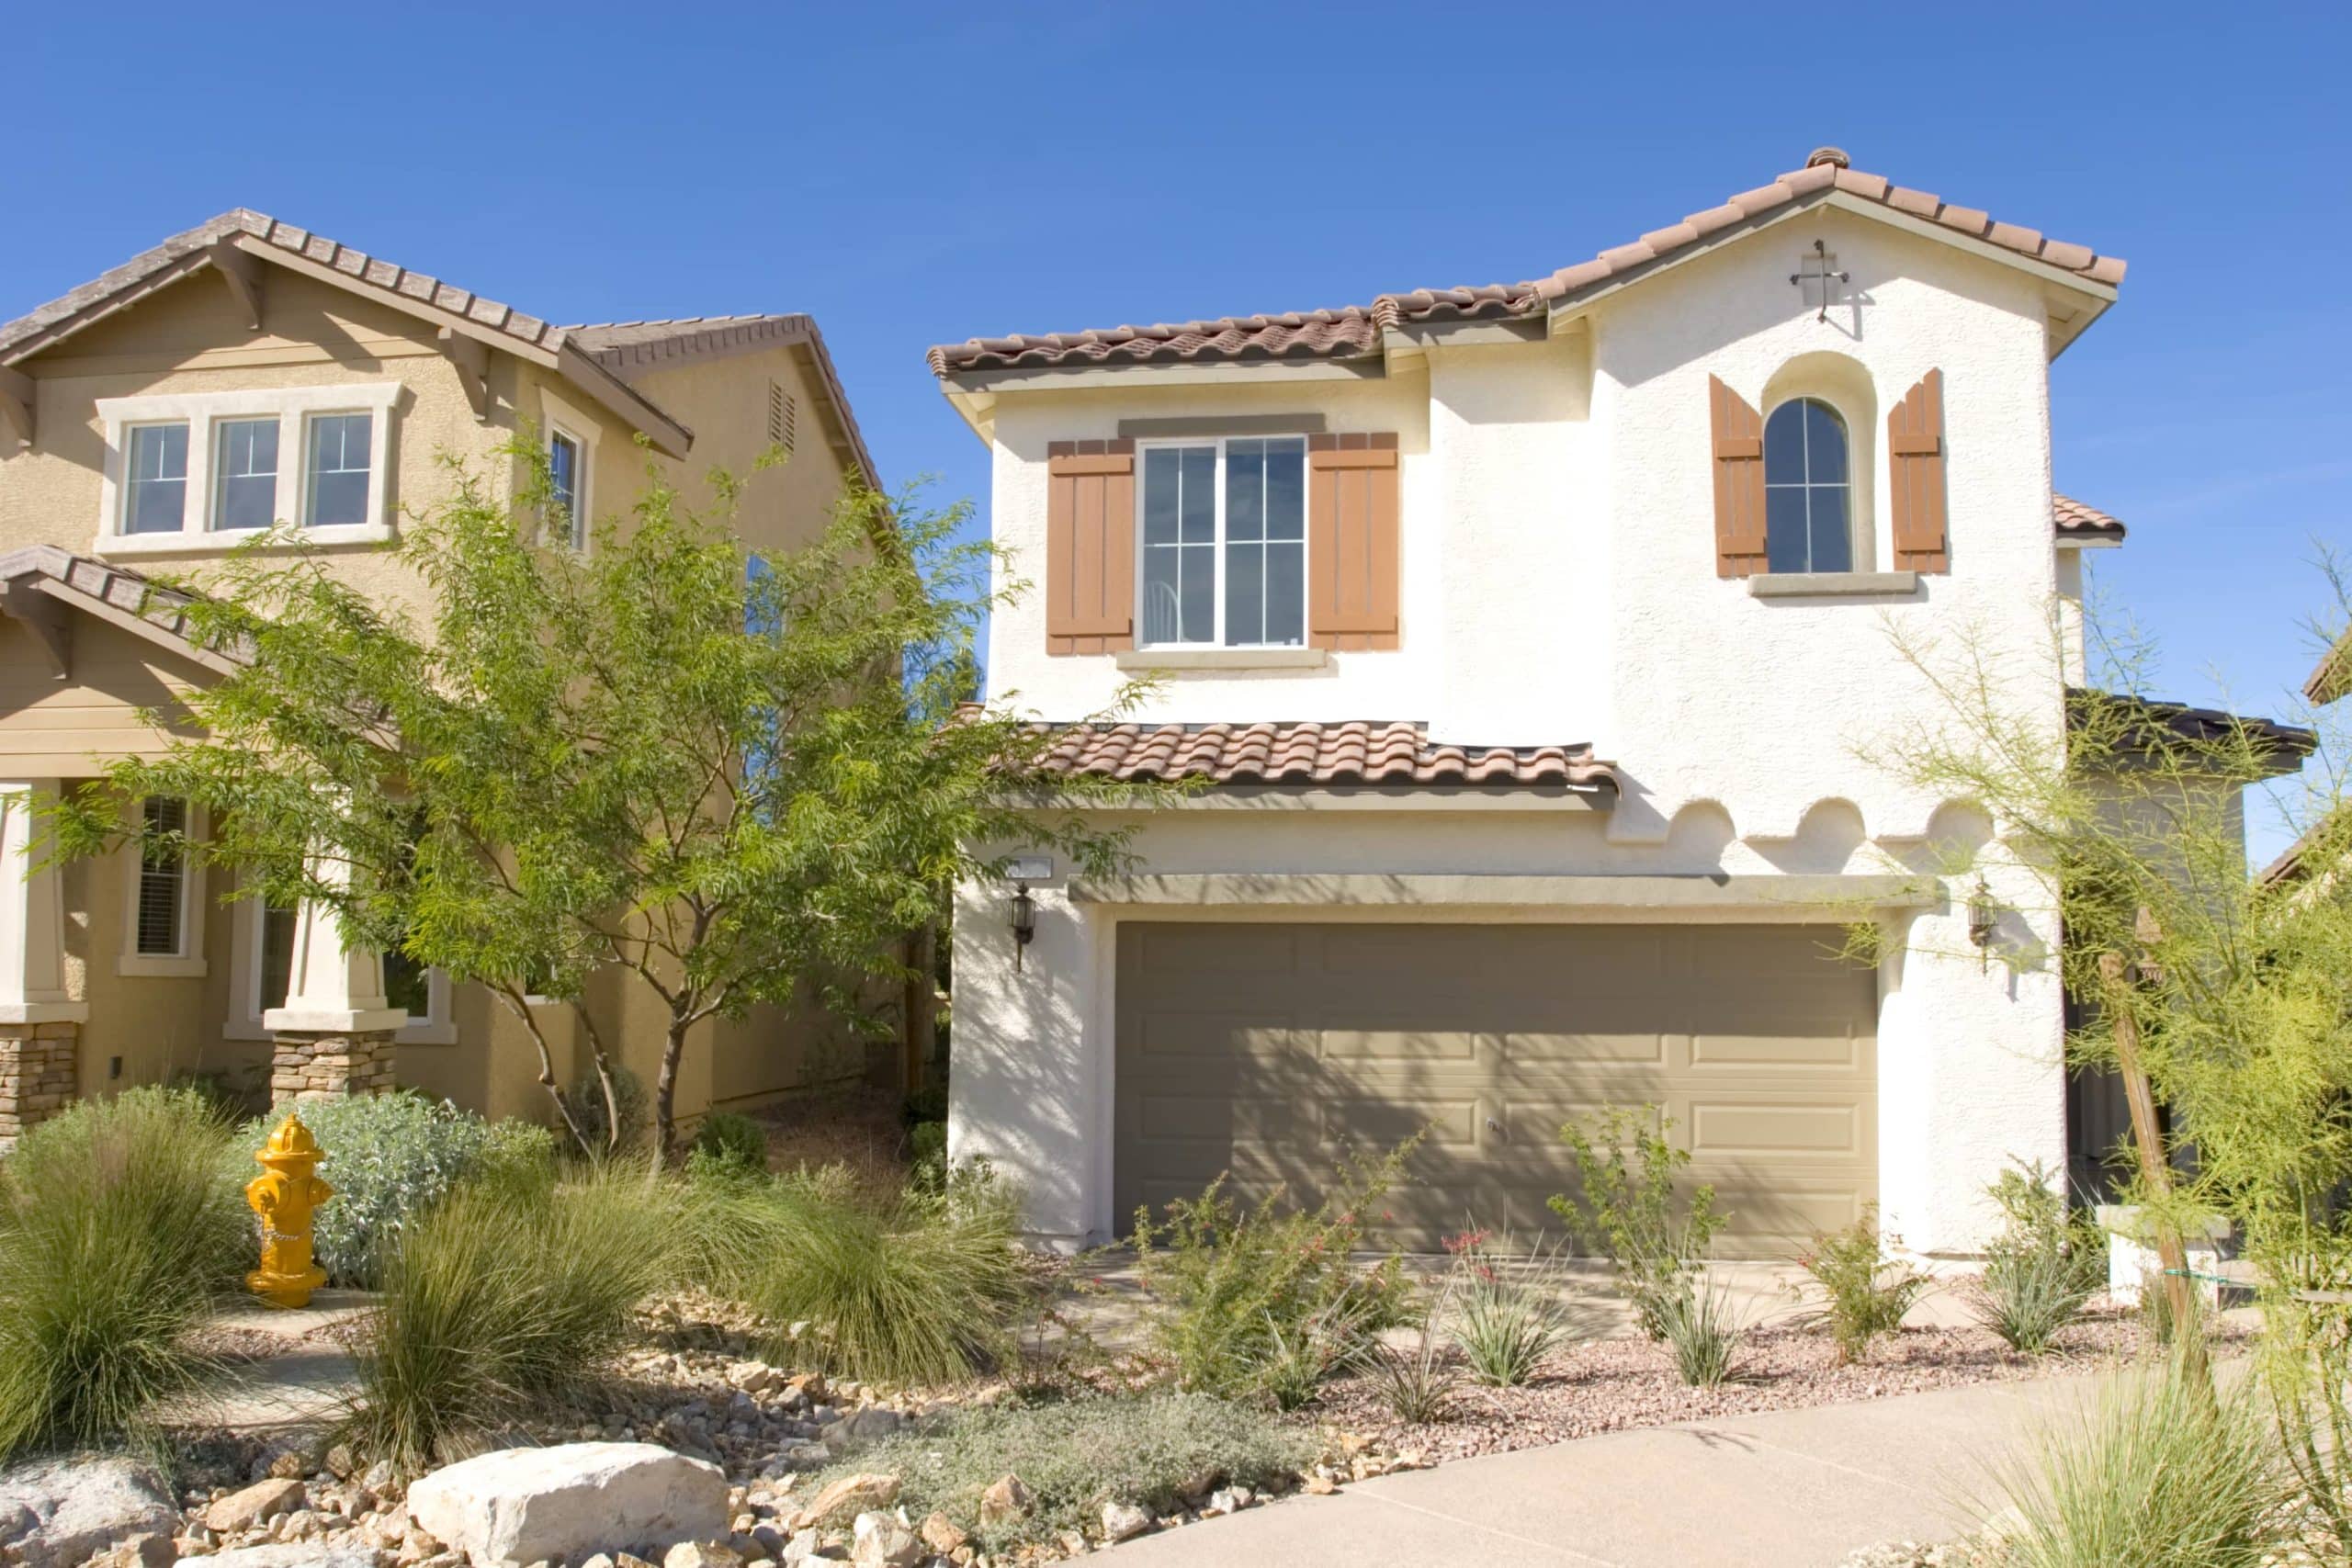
pixel 2088 542
pixel 976 409
pixel 634 408
pixel 1792 897
pixel 162 277
pixel 138 625
pixel 1048 380
pixel 1565 312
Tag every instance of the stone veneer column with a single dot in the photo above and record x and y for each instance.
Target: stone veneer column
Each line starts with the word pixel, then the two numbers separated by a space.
pixel 333 1036
pixel 40 1025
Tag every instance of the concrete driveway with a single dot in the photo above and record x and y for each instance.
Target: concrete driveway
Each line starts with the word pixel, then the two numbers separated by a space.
pixel 1793 1489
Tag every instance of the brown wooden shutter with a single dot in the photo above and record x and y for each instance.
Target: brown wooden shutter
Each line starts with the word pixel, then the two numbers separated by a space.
pixel 1914 446
pixel 1739 433
pixel 1089 547
pixel 1352 541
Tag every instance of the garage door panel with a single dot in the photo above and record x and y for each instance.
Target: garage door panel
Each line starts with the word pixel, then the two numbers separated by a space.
pixel 1272 1050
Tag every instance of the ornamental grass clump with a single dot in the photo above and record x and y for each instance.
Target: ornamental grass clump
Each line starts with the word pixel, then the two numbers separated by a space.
pixel 1860 1291
pixel 501 1293
pixel 2043 1268
pixel 1702 1327
pixel 1155 1452
pixel 1263 1301
pixel 118 1239
pixel 2160 1472
pixel 1511 1311
pixel 918 1288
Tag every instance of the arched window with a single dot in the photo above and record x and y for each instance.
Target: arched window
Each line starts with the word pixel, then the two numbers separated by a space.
pixel 1808 494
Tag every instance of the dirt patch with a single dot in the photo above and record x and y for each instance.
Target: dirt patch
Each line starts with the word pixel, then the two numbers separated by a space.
pixel 1611 1386
pixel 862 1131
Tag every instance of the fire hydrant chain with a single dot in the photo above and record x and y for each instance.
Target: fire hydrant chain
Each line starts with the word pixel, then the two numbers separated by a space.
pixel 285 1196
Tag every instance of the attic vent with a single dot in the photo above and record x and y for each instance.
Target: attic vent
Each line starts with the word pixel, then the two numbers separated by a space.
pixel 783 416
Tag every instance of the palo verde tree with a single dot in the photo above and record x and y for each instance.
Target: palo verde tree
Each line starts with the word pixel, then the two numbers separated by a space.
pixel 737 779
pixel 2234 991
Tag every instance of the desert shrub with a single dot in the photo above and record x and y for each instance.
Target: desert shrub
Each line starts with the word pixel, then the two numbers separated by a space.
pixel 1702 1328
pixel 2043 1266
pixel 2161 1471
pixel 389 1156
pixel 1509 1313
pixel 927 1144
pixel 1626 1209
pixel 500 1294
pixel 727 1145
pixel 924 1288
pixel 1859 1292
pixel 117 1237
pixel 1249 1295
pixel 585 1102
pixel 1074 1457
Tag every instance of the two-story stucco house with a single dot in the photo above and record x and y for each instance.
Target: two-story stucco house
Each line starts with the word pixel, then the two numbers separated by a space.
pixel 246 373
pixel 1533 639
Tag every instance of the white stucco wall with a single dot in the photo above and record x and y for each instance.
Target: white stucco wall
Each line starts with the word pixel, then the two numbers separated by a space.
pixel 1559 586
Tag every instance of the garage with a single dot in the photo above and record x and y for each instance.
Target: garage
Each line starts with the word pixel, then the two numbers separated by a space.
pixel 1270 1049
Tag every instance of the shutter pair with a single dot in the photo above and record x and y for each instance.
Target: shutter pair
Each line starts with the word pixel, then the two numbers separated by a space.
pixel 1915 444
pixel 1351 506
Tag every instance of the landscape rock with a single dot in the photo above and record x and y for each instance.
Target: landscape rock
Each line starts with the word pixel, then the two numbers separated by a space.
pixel 516 1505
pixel 879 1541
pixel 257 1504
pixel 294 1554
pixel 1123 1521
pixel 942 1534
pixel 702 1554
pixel 850 1495
pixel 861 1427
pixel 1006 1499
pixel 56 1512
pixel 146 1551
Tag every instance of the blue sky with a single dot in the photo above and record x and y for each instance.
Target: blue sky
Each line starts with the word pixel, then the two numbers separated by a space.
pixel 912 174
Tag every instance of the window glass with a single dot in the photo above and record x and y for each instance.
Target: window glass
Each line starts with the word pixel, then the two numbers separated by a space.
pixel 563 480
pixel 337 485
pixel 163 873
pixel 245 469
pixel 408 985
pixel 1265 543
pixel 277 923
pixel 155 479
pixel 1180 544
pixel 1808 523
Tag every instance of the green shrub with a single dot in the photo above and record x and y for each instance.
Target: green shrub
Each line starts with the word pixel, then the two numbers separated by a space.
pixel 926 1288
pixel 1249 1297
pixel 1634 1217
pixel 1860 1291
pixel 2160 1473
pixel 1702 1328
pixel 927 1142
pixel 585 1102
pixel 389 1156
pixel 117 1237
pixel 2043 1268
pixel 727 1145
pixel 503 1292
pixel 1510 1314
pixel 1076 1456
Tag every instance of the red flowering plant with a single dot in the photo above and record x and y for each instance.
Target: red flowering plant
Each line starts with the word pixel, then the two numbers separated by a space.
pixel 1265 1301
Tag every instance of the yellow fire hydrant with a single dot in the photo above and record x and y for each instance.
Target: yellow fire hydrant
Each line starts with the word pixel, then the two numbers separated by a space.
pixel 284 1196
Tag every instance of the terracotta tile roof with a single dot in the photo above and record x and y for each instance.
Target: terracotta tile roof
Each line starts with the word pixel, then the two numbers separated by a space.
pixel 160 612
pixel 1356 752
pixel 2281 747
pixel 2073 519
pixel 1354 329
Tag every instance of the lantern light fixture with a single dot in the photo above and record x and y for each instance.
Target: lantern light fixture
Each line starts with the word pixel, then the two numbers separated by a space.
pixel 1025 920
pixel 1984 914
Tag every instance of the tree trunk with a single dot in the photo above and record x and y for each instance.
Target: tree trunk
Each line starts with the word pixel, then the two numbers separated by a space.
pixel 2156 1173
pixel 665 1090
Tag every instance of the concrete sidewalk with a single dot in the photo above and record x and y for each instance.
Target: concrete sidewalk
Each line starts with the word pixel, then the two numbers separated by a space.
pixel 1792 1489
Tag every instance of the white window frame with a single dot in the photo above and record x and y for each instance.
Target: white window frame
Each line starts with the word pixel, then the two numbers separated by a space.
pixel 560 418
pixel 437 1027
pixel 1180 442
pixel 202 413
pixel 188 964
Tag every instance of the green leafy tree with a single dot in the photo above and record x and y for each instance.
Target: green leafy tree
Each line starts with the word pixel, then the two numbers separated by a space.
pixel 739 780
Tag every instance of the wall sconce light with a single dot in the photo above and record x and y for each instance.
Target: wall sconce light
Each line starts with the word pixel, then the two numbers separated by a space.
pixel 1982 916
pixel 1025 920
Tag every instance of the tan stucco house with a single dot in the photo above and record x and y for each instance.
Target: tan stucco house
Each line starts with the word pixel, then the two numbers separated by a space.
pixel 246 373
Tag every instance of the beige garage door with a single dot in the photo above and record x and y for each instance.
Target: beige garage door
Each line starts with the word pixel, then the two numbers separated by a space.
pixel 1269 1049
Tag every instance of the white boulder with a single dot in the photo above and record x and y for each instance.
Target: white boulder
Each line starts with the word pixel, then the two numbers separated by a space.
pixel 524 1505
pixel 56 1512
pixel 291 1554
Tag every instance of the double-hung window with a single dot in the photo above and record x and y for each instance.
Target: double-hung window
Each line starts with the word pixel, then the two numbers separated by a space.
pixel 567 485
pixel 154 478
pixel 245 474
pixel 163 900
pixel 335 489
pixel 1223 543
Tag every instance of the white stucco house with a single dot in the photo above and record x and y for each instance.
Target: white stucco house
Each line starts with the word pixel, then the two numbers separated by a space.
pixel 1532 638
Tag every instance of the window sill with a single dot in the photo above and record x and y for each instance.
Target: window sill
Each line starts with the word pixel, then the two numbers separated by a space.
pixel 1222 659
pixel 1833 584
pixel 151 966
pixel 197 542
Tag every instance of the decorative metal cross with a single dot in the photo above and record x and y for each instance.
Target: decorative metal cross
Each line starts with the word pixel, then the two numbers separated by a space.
pixel 1819 273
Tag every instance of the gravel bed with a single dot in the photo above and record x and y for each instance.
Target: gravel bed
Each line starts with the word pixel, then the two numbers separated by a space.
pixel 1609 1385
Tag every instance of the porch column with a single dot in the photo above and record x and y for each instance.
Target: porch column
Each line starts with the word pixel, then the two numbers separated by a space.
pixel 333 1036
pixel 40 1024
